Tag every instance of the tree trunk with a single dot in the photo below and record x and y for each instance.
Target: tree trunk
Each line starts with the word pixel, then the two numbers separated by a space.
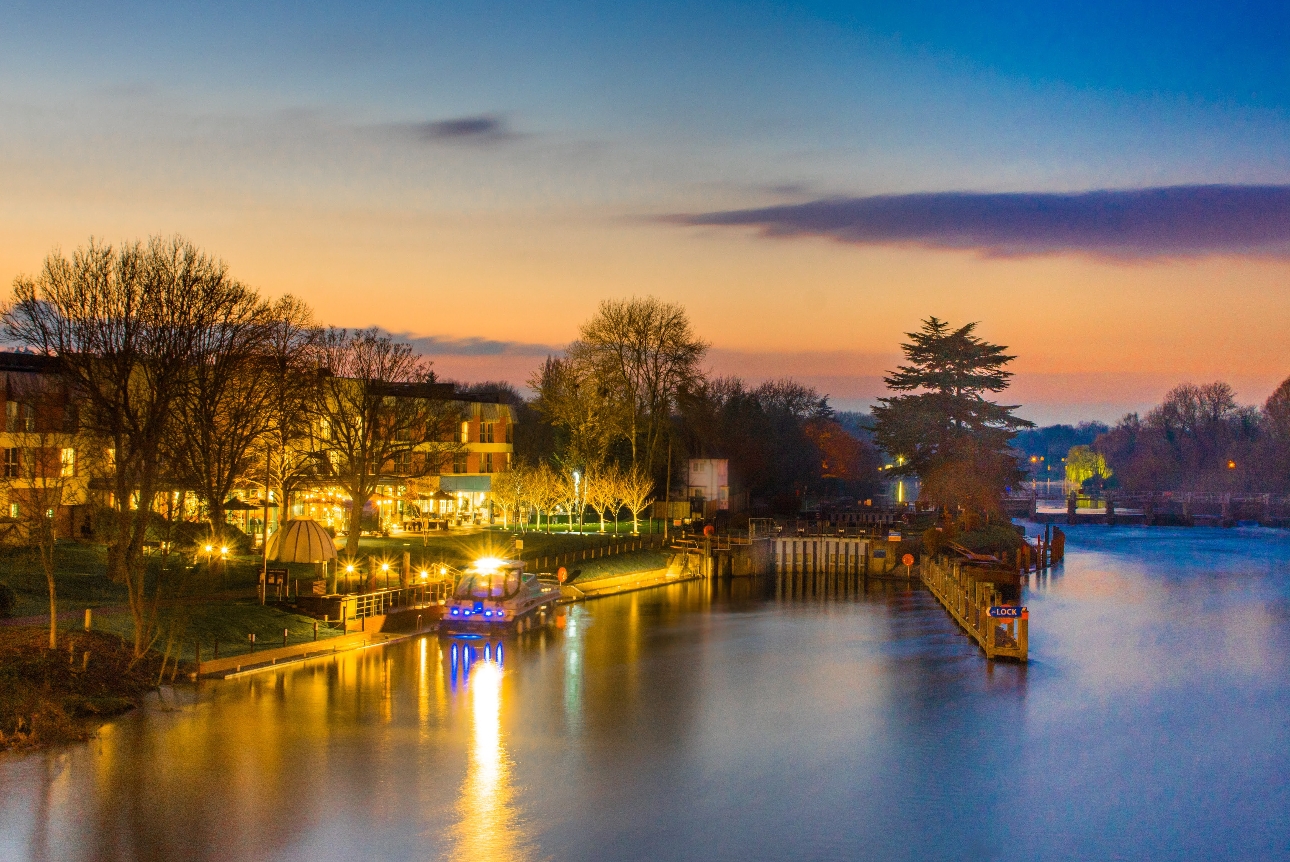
pixel 47 559
pixel 355 529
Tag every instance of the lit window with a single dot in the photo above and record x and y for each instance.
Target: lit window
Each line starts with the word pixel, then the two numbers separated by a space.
pixel 13 510
pixel 67 459
pixel 465 433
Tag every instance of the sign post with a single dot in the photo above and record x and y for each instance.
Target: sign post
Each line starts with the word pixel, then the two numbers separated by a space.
pixel 908 560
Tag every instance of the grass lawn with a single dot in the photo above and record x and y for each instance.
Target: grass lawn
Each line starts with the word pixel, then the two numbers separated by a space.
pixel 224 622
pixel 622 564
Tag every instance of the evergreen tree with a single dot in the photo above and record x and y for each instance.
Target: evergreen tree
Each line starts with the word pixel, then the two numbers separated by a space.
pixel 942 428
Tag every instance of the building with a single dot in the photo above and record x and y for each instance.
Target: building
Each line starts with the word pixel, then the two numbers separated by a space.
pixel 455 491
pixel 43 473
pixel 41 451
pixel 708 485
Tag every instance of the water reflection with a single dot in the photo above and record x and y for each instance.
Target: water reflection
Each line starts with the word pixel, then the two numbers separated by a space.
pixel 489 825
pixel 734 720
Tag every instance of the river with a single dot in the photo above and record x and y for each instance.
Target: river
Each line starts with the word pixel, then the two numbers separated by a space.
pixel 715 722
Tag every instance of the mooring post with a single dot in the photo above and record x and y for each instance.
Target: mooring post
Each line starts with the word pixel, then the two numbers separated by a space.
pixel 89 617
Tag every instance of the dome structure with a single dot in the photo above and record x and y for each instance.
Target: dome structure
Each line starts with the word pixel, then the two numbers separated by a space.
pixel 302 540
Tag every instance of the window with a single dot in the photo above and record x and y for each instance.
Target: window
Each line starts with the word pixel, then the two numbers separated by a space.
pixel 510 432
pixel 19 417
pixel 13 510
pixel 464 437
pixel 486 432
pixel 12 463
pixel 486 462
pixel 402 463
pixel 67 459
pixel 459 462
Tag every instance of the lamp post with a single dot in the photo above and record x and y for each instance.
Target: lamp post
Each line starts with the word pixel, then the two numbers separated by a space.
pixel 577 495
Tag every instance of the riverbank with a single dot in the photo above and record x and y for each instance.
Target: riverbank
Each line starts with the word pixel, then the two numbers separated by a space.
pixel 50 697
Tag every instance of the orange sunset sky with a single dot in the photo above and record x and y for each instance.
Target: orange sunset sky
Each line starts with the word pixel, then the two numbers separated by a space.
pixel 479 184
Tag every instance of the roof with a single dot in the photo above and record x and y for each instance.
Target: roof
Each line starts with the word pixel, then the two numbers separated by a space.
pixel 30 362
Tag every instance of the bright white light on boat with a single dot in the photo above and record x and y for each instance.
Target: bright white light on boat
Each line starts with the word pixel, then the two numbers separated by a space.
pixel 488 564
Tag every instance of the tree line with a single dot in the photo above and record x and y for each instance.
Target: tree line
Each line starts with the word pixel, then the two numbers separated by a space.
pixel 172 378
pixel 1198 439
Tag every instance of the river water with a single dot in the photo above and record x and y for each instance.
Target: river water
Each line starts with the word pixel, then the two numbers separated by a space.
pixel 717 722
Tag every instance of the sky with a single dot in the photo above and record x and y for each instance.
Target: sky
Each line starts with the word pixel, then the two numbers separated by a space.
pixel 1104 187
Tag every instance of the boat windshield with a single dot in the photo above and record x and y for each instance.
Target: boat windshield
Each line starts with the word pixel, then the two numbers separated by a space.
pixel 501 584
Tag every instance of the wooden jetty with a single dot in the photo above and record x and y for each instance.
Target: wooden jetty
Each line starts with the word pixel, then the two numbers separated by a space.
pixel 968 592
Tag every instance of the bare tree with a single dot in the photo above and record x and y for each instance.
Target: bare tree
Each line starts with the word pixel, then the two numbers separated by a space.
pixel 291 347
pixel 125 323
pixel 637 489
pixel 224 411
pixel 382 416
pixel 577 400
pixel 39 474
pixel 508 492
pixel 601 494
pixel 543 493
pixel 645 353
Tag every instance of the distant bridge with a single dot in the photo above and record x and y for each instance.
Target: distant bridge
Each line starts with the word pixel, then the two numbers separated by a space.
pixel 1159 509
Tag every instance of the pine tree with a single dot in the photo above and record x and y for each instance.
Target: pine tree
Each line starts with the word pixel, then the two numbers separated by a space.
pixel 942 428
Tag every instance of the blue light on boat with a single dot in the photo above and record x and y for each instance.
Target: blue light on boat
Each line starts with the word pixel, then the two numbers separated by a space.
pixel 465 613
pixel 488 613
pixel 455 612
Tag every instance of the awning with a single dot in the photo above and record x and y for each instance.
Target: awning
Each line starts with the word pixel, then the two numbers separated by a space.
pixel 474 484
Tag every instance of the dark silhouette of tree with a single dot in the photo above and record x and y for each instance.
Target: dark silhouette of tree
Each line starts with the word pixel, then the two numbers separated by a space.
pixel 942 428
pixel 127 324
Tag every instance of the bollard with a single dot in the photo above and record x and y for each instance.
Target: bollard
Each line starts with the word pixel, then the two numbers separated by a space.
pixel 284 636
pixel 315 629
pixel 85 661
pixel 251 638
pixel 89 617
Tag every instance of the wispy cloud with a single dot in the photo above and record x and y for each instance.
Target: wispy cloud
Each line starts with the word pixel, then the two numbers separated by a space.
pixel 481 129
pixel 1171 221
pixel 434 345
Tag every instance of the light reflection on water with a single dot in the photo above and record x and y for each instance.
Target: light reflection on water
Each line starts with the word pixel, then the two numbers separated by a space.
pixel 489 825
pixel 729 721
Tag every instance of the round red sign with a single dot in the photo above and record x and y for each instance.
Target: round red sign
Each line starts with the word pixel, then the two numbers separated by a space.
pixel 561 575
pixel 908 559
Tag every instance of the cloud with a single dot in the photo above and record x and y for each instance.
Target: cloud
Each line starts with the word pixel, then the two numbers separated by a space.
pixel 433 345
pixel 482 129
pixel 1173 221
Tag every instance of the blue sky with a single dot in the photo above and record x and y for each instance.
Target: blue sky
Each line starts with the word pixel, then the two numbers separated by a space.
pixel 490 170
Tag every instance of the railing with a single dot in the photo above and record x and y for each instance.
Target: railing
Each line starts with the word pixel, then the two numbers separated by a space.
pixel 374 604
pixel 969 600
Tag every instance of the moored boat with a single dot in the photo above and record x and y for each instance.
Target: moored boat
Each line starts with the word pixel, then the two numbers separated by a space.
pixel 498 595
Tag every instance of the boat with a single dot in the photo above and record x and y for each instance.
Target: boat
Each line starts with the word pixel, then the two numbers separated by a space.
pixel 497 595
